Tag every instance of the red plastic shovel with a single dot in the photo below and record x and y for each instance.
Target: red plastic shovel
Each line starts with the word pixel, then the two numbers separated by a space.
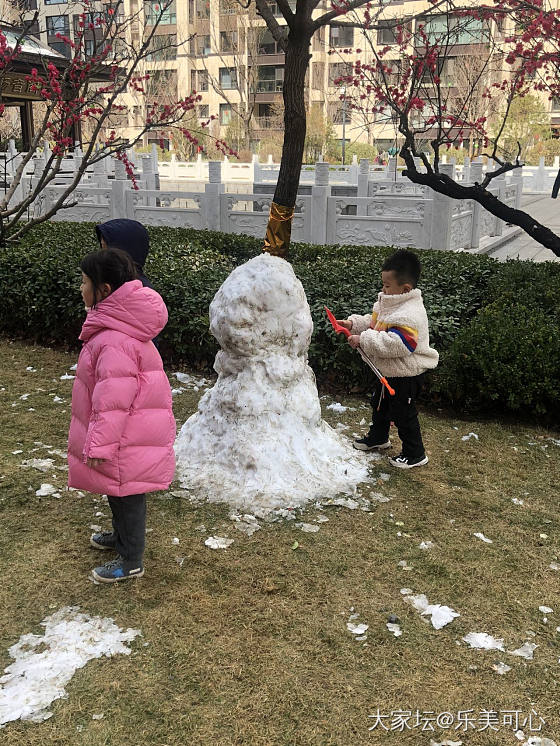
pixel 347 333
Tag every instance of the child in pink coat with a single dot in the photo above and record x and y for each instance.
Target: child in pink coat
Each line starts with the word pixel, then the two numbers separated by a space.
pixel 122 429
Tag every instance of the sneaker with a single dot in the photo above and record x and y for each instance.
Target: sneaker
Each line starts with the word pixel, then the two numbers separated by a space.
pixel 403 462
pixel 364 444
pixel 104 540
pixel 112 572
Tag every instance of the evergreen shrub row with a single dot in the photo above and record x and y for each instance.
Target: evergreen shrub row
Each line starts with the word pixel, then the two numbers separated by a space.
pixel 496 325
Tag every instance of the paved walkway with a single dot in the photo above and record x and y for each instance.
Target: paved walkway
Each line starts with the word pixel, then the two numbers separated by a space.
pixel 547 211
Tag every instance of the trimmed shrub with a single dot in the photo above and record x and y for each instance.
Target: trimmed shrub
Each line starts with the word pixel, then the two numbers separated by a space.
pixel 491 356
pixel 509 354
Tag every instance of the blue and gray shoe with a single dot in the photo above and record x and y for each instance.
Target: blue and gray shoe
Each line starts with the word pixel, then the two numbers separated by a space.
pixel 103 540
pixel 117 569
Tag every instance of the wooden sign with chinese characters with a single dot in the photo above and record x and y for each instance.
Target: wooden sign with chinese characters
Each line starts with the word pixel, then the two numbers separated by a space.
pixel 16 86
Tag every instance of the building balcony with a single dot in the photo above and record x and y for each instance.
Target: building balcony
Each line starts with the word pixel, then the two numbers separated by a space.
pixel 268 86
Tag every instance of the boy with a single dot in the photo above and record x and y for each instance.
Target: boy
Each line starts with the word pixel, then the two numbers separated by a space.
pixel 396 338
pixel 129 236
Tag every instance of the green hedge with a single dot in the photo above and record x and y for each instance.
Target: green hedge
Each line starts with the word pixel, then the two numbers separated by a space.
pixel 496 325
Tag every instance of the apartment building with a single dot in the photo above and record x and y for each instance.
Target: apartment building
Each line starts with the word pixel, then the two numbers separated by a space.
pixel 229 57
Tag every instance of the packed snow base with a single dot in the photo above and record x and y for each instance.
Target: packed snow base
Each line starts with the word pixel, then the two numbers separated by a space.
pixel 44 664
pixel 258 441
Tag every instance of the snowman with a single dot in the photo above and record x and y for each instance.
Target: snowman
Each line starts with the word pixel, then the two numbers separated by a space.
pixel 257 440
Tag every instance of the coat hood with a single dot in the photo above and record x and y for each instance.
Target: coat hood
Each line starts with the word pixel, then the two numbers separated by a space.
pixel 132 309
pixel 128 235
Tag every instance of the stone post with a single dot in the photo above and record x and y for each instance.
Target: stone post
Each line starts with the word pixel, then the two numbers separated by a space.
pixel 320 192
pixel 154 155
pixel 517 179
pixel 199 173
pixel 119 188
pixel 363 177
pixel 256 168
pixel 475 172
pixel 212 202
pixel 539 176
pixel 466 170
pixel 149 178
pixel 353 171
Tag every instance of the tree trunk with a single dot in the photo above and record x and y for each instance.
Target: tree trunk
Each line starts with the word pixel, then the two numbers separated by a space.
pixel 297 61
pixel 445 185
pixel 278 230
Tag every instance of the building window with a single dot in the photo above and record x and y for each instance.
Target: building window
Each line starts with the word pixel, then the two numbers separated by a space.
pixel 386 34
pixel 225 114
pixel 555 104
pixel 455 30
pixel 153 10
pixel 60 47
pixel 89 47
pixel 203 111
pixel 114 12
pixel 203 8
pixel 162 83
pixel 268 45
pixel 164 47
pixel 338 70
pixel 228 78
pixel 203 46
pixel 58 25
pixel 276 10
pixel 341 36
pixel 202 80
pixel 318 75
pixel 228 41
pixel 270 79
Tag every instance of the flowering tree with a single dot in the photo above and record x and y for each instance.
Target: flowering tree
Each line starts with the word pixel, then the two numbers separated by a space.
pixel 515 46
pixel 510 47
pixel 87 91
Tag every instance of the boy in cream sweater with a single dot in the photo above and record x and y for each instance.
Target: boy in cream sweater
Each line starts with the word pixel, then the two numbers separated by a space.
pixel 396 338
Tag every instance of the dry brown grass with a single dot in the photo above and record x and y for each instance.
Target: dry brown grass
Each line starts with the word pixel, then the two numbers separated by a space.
pixel 249 645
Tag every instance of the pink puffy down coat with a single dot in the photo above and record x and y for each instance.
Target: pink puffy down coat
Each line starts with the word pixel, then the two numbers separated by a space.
pixel 121 400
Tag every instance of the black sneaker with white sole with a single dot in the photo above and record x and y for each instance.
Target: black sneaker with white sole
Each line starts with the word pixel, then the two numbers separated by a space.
pixel 365 444
pixel 404 462
pixel 103 540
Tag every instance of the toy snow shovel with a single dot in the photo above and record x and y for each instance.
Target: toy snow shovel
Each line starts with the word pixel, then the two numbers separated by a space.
pixel 347 333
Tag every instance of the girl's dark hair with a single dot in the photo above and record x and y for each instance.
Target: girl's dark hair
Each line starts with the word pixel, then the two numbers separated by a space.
pixel 111 266
pixel 406 266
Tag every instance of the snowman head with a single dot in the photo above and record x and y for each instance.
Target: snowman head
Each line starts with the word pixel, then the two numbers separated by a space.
pixel 261 308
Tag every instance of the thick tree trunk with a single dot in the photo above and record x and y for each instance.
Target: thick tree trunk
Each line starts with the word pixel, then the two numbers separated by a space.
pixel 297 62
pixel 445 185
pixel 278 230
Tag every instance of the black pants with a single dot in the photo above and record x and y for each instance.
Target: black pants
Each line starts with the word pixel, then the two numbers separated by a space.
pixel 129 526
pixel 400 409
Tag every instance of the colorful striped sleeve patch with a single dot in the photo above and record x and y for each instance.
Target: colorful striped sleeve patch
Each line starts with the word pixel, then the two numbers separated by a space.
pixel 407 334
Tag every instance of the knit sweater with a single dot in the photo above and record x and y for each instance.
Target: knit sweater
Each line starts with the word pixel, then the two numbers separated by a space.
pixel 396 336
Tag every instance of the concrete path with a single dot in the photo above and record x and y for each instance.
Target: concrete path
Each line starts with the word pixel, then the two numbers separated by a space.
pixel 547 211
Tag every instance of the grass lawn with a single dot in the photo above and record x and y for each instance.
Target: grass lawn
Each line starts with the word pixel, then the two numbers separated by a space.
pixel 249 645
